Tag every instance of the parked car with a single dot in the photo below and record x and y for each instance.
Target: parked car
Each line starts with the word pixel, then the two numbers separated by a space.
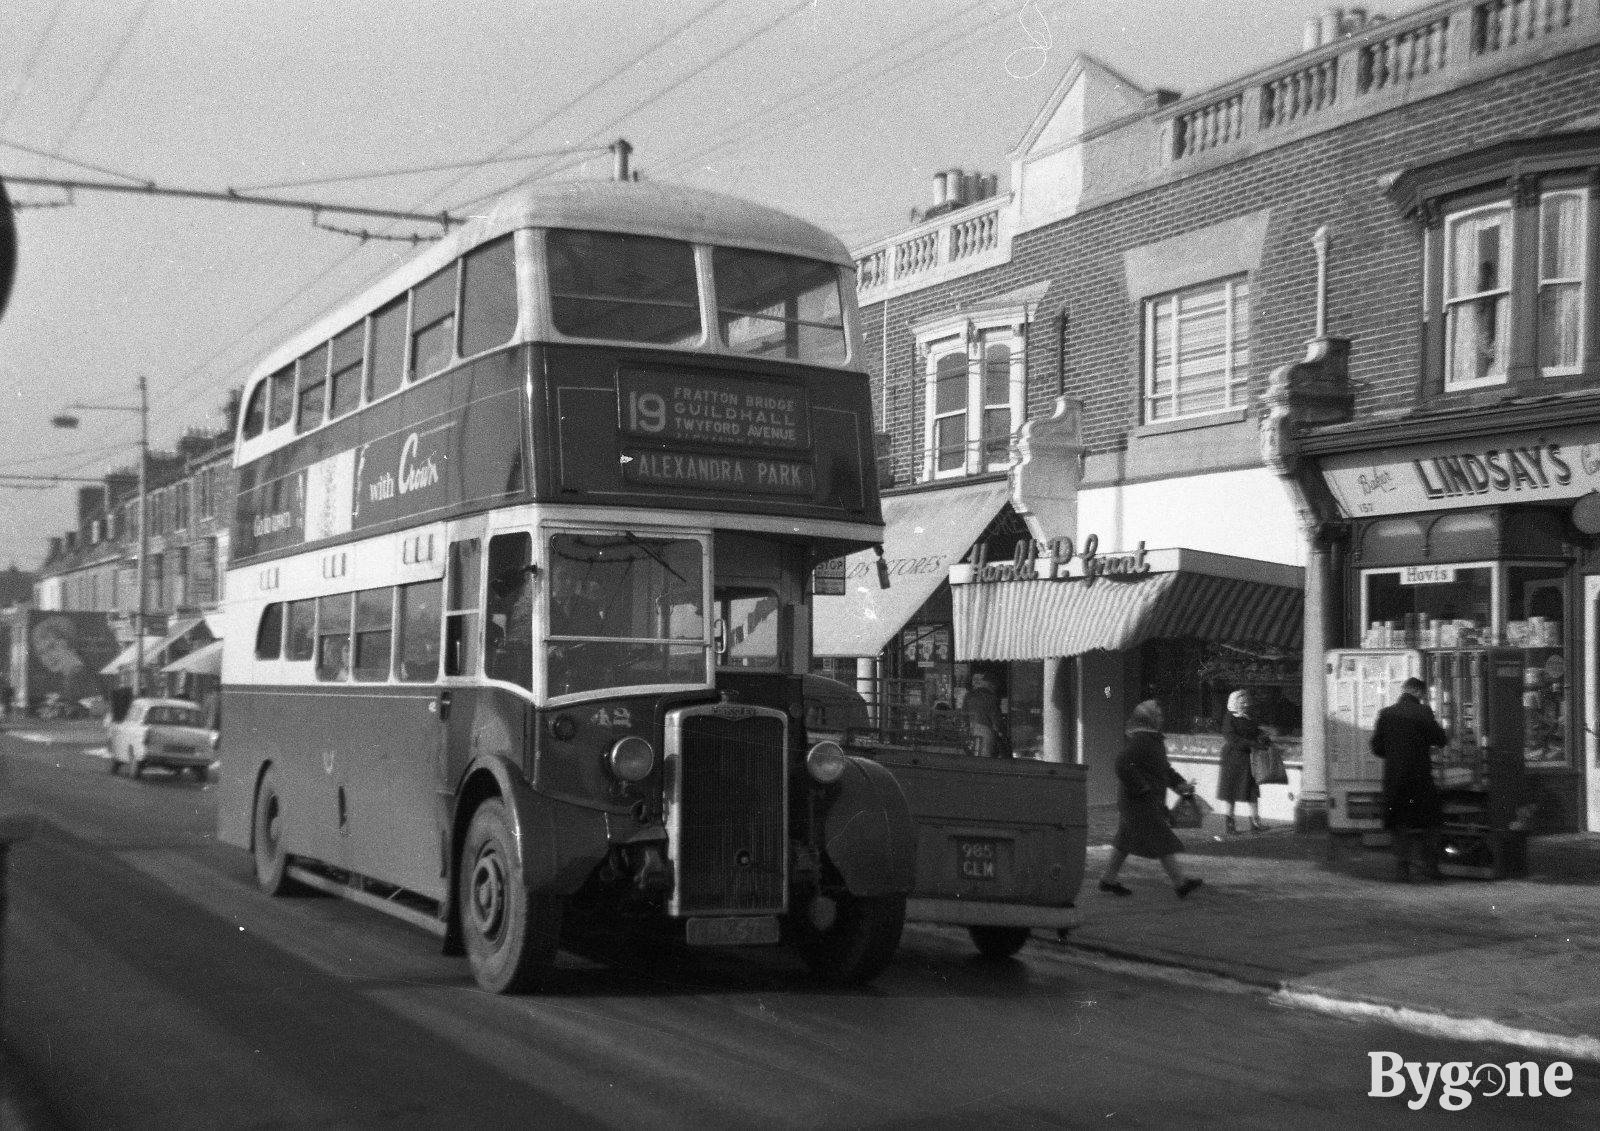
pixel 170 733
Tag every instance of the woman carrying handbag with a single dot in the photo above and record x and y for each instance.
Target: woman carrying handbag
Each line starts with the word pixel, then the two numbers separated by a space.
pixel 1236 779
pixel 1143 777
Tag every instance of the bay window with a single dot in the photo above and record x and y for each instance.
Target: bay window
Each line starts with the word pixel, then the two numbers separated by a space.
pixel 1508 254
pixel 974 399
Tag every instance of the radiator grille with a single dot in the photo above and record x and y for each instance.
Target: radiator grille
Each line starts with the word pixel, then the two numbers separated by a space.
pixel 731 849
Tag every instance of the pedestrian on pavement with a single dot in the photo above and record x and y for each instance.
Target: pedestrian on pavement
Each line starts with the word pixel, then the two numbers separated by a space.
pixel 1143 777
pixel 1405 733
pixel 1236 780
pixel 987 725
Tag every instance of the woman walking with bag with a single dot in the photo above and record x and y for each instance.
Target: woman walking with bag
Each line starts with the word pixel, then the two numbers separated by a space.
pixel 1143 777
pixel 1236 780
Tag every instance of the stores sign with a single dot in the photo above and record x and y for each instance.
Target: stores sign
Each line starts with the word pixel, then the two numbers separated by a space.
pixel 1054 561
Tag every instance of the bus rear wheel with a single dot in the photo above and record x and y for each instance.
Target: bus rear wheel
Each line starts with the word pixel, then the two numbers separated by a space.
pixel 999 942
pixel 855 947
pixel 510 933
pixel 271 858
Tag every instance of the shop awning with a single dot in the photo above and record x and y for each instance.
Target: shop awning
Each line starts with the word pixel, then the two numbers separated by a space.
pixel 152 645
pixel 206 660
pixel 924 534
pixel 1035 620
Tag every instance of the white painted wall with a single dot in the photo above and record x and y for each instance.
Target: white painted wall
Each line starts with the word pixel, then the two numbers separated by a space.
pixel 1243 513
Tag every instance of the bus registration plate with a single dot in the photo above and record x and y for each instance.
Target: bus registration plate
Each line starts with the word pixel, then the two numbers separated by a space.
pixel 978 859
pixel 733 930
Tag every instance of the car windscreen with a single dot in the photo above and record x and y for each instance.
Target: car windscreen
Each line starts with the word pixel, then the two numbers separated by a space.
pixel 174 717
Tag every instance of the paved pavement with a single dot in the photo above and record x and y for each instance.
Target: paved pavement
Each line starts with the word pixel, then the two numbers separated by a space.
pixel 1514 960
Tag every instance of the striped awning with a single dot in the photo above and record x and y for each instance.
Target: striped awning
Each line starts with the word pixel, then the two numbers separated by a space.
pixel 1036 620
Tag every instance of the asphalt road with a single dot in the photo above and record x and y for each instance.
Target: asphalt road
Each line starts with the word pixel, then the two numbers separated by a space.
pixel 149 984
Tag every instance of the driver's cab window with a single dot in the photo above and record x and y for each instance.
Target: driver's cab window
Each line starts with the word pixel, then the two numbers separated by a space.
pixel 508 617
pixel 750 630
pixel 760 606
pixel 624 610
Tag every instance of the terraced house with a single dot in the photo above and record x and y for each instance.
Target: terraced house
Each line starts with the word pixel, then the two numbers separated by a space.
pixel 1306 362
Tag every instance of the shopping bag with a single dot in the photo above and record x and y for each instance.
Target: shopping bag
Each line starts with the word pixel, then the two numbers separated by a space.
pixel 1188 812
pixel 1266 765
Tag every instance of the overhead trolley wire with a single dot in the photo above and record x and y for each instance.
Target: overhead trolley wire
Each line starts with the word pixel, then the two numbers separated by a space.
pixel 791 113
pixel 21 84
pixel 696 73
pixel 188 378
pixel 105 71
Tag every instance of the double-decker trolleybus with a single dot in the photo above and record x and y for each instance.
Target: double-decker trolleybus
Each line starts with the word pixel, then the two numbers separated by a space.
pixel 519 590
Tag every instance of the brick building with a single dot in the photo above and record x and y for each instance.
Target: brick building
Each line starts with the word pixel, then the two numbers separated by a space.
pixel 95 566
pixel 1409 205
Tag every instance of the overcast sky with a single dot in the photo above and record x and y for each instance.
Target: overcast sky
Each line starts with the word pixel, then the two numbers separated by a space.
pixel 838 110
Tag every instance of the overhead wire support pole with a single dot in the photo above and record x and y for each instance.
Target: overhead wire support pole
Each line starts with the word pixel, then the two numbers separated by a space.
pixel 231 196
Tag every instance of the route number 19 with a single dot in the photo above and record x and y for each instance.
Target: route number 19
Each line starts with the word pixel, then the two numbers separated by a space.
pixel 647 412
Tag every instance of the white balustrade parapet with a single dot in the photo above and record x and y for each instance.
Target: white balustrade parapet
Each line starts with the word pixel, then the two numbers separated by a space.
pixel 956 243
pixel 1426 52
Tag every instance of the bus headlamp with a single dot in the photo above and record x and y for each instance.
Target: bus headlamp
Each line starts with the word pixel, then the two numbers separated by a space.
pixel 825 762
pixel 631 758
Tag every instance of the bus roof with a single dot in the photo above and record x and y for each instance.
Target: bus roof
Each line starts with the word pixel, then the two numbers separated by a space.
pixel 646 208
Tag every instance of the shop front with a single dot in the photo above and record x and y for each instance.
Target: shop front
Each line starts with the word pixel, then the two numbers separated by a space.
pixel 1099 632
pixel 1462 546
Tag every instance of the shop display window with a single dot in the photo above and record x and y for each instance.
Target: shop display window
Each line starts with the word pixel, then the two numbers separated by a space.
pixel 1192 680
pixel 1428 606
pixel 1512 605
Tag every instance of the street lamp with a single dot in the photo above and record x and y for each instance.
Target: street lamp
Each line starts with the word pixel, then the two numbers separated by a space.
pixel 67 420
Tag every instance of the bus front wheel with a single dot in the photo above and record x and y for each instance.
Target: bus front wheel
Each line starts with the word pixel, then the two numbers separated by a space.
pixel 272 860
pixel 510 933
pixel 858 943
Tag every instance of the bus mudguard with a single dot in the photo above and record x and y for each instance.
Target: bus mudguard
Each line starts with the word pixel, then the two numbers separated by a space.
pixel 559 843
pixel 867 831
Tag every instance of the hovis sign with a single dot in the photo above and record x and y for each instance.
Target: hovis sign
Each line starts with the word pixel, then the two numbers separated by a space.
pixel 1562 463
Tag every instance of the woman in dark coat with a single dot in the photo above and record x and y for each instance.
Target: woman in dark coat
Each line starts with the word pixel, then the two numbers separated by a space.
pixel 1143 777
pixel 1236 781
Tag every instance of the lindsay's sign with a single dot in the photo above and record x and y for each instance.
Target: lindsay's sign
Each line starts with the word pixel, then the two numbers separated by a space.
pixel 1562 463
pixel 1057 560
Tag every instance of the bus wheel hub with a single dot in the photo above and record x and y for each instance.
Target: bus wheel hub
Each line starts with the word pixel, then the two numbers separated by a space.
pixel 488 894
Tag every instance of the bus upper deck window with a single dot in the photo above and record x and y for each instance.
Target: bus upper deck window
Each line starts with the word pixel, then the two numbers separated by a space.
pixel 282 406
pixel 255 413
pixel 388 350
pixel 345 371
pixel 433 323
pixel 313 389
pixel 623 288
pixel 779 306
pixel 488 297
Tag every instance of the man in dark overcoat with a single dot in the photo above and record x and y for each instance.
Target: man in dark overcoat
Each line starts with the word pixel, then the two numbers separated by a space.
pixel 1404 737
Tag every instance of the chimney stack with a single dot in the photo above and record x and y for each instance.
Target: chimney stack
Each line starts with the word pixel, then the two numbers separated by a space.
pixel 620 150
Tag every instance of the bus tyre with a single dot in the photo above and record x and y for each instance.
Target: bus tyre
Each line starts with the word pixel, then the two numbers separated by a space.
pixel 272 861
pixel 510 933
pixel 999 942
pixel 859 943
